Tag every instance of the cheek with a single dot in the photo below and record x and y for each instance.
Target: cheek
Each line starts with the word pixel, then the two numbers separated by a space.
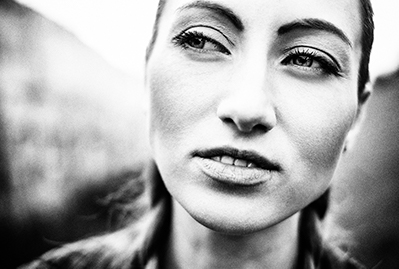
pixel 166 110
pixel 316 123
pixel 180 98
pixel 320 123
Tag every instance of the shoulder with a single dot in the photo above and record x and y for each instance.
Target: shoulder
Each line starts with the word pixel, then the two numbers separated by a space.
pixel 114 250
pixel 335 258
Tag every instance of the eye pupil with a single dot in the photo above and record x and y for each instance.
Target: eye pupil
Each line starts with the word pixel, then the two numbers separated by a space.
pixel 197 43
pixel 303 61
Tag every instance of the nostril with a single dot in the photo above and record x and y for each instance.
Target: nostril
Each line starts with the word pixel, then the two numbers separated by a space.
pixel 247 115
pixel 251 126
pixel 260 128
pixel 228 121
pixel 246 126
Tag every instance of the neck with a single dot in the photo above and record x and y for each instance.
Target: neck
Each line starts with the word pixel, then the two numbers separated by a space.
pixel 192 245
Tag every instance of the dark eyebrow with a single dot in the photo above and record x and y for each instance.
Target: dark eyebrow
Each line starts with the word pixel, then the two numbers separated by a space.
pixel 219 9
pixel 315 24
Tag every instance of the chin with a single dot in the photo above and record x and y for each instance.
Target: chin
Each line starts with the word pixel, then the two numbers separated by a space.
pixel 231 228
pixel 233 221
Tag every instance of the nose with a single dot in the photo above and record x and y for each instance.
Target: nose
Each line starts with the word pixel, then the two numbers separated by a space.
pixel 248 105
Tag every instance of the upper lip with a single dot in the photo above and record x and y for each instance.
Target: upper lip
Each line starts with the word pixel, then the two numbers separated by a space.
pixel 248 155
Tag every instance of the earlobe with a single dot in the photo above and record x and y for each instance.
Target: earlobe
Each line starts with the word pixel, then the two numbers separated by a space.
pixel 352 134
pixel 350 138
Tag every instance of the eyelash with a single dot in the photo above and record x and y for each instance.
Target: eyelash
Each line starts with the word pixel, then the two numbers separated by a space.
pixel 182 40
pixel 327 67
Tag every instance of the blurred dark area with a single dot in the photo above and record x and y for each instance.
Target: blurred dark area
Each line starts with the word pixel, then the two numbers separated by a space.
pixel 365 198
pixel 72 132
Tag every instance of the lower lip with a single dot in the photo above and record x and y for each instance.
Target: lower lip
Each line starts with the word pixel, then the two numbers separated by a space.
pixel 233 175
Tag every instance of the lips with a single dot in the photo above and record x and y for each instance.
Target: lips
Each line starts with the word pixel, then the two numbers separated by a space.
pixel 232 161
pixel 241 158
pixel 235 167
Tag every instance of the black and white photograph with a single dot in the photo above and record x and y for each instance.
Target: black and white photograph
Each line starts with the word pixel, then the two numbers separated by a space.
pixel 199 134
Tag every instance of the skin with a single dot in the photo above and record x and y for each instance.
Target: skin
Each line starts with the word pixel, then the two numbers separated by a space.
pixel 249 94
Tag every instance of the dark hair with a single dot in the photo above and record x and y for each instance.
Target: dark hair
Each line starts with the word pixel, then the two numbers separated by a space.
pixel 367 39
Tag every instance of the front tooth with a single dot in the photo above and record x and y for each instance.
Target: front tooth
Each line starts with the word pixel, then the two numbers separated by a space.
pixel 239 162
pixel 227 160
pixel 216 158
pixel 251 165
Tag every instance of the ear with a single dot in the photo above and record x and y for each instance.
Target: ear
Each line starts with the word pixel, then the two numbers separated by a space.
pixel 352 134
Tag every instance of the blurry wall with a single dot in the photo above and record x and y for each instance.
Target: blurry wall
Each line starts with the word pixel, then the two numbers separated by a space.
pixel 71 131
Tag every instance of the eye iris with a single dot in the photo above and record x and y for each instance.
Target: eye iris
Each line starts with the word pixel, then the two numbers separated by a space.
pixel 197 43
pixel 303 61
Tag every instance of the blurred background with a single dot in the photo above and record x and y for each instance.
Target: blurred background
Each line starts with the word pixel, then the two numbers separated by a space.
pixel 72 128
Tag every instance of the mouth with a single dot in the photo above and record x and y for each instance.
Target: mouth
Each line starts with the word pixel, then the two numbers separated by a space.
pixel 236 167
pixel 240 158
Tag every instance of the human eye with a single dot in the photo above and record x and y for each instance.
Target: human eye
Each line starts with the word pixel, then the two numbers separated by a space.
pixel 308 59
pixel 203 39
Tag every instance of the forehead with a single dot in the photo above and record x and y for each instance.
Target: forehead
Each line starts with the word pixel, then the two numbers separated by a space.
pixel 270 14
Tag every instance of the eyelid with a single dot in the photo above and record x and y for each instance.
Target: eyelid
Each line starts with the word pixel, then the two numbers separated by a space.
pixel 210 27
pixel 185 39
pixel 316 50
pixel 327 64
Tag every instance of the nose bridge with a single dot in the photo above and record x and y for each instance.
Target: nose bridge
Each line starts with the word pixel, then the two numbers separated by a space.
pixel 249 99
pixel 253 78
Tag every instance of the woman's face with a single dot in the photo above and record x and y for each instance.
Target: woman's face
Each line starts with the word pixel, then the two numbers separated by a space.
pixel 251 102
